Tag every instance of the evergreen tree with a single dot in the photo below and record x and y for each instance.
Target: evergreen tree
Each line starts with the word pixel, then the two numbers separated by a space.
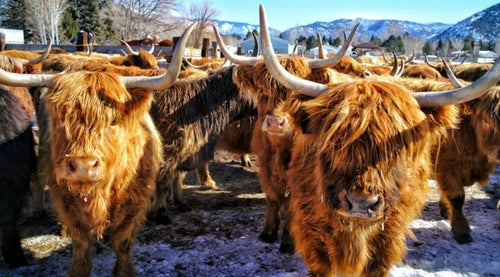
pixel 311 42
pixel 427 49
pixel 394 43
pixel 376 41
pixel 468 43
pixel 86 14
pixel 69 27
pixel 13 14
pixel 336 42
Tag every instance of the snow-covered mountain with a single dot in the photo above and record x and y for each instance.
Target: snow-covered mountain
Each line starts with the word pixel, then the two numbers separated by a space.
pixel 484 26
pixel 367 28
pixel 228 28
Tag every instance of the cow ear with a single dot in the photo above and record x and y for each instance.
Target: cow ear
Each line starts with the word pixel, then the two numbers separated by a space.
pixel 141 99
pixel 300 119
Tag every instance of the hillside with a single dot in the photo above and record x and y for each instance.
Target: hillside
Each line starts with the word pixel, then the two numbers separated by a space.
pixel 484 25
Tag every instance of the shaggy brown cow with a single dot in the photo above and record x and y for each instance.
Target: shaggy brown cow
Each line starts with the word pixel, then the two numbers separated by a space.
pixel 469 156
pixel 359 166
pixel 17 163
pixel 271 144
pixel 100 154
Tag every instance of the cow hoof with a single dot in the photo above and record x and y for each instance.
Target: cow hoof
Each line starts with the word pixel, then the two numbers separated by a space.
pixel 184 208
pixel 462 238
pixel 287 248
pixel 267 238
pixel 211 185
pixel 16 260
pixel 159 217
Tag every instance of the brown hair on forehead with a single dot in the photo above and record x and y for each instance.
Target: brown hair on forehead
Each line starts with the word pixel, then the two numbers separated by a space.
pixel 369 121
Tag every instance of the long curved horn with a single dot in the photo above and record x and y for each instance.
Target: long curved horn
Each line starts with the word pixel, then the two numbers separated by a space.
pixel 41 57
pixel 330 62
pixel 289 80
pixel 429 64
pixel 410 59
pixel 130 50
pixel 394 64
pixel 385 58
pixel 200 67
pixel 460 95
pixel 167 79
pixel 451 76
pixel 152 48
pixel 26 80
pixel 236 59
pixel 320 46
pixel 401 69
pixel 255 45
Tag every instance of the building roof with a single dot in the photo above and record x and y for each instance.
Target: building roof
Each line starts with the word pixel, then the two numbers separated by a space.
pixel 366 45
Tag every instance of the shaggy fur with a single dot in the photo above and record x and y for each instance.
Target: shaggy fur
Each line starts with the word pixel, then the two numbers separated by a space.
pixel 470 155
pixel 65 62
pixel 17 163
pixel 363 138
pixel 349 65
pixel 91 115
pixel 235 138
pixel 272 150
pixel 190 116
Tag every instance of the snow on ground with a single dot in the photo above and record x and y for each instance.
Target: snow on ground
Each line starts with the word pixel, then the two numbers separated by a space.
pixel 223 242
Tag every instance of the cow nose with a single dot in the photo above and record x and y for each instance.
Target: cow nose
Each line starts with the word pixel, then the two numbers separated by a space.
pixel 82 168
pixel 274 124
pixel 363 207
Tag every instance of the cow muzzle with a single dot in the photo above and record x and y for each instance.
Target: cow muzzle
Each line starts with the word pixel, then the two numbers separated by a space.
pixel 82 169
pixel 276 125
pixel 361 206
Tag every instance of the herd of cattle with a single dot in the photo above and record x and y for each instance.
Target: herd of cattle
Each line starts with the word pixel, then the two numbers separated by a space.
pixel 345 148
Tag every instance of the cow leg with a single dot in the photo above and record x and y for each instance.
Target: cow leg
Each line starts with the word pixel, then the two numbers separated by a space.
pixel 204 176
pixel 287 244
pixel 81 264
pixel 121 239
pixel 179 200
pixel 11 246
pixel 37 194
pixel 451 204
pixel 271 222
pixel 159 208
pixel 459 224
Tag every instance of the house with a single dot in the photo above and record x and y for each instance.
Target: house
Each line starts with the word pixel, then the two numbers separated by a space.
pixel 280 46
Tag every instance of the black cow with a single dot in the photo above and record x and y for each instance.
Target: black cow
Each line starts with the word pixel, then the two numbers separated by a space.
pixel 190 116
pixel 17 163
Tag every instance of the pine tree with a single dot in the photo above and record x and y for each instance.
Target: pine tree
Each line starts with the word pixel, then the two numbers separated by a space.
pixel 86 14
pixel 427 49
pixel 13 14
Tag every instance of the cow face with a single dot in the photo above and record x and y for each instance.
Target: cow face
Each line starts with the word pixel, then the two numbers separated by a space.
pixel 92 122
pixel 143 59
pixel 365 143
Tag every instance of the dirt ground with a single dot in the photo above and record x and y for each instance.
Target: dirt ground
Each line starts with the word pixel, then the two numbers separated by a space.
pixel 217 238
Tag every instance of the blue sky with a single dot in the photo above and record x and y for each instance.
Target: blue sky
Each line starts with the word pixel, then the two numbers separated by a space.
pixel 285 14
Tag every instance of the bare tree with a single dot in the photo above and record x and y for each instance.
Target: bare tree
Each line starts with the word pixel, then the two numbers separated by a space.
pixel 204 13
pixel 135 18
pixel 44 17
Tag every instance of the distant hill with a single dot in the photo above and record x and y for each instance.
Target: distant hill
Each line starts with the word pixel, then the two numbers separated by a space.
pixel 484 26
pixel 228 28
pixel 367 28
